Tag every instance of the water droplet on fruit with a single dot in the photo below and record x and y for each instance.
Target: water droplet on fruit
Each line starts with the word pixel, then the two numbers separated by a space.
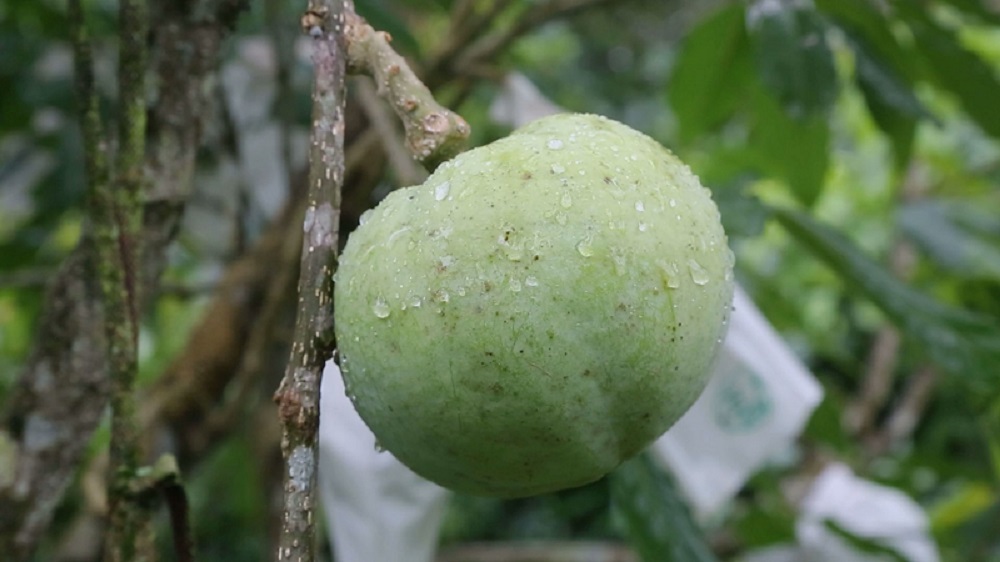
pixel 639 206
pixel 671 273
pixel 441 296
pixel 566 201
pixel 531 281
pixel 557 169
pixel 380 308
pixel 415 302
pixel 365 216
pixel 698 273
pixel 643 227
pixel 515 285
pixel 673 202
pixel 555 144
pixel 585 246
pixel 512 248
pixel 378 447
pixel 396 234
pixel 513 253
pixel 619 260
pixel 442 232
pixel 561 217
pixel 441 191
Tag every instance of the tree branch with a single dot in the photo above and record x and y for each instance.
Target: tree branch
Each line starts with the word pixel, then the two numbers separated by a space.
pixel 468 60
pixel 298 394
pixel 116 212
pixel 905 416
pixel 407 171
pixel 535 17
pixel 465 27
pixel 59 398
pixel 862 413
pixel 433 133
pixel 54 406
pixel 57 402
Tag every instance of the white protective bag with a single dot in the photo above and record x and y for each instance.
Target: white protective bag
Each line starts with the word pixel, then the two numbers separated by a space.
pixel 755 406
pixel 864 509
pixel 376 509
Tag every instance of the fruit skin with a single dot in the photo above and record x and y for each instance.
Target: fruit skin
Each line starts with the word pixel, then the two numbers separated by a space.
pixel 538 311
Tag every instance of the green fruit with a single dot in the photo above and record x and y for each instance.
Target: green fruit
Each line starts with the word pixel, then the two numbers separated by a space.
pixel 539 310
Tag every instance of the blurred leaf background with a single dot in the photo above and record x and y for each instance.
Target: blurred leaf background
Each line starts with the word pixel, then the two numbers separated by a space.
pixel 852 146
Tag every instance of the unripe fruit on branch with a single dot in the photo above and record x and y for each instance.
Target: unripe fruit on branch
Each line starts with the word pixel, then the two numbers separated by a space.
pixel 538 311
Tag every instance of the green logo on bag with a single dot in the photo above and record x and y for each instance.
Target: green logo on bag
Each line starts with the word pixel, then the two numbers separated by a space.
pixel 741 401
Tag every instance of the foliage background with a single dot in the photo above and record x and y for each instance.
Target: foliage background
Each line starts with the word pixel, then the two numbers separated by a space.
pixel 851 145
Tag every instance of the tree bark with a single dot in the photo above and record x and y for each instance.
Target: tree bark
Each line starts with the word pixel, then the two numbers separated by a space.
pixel 298 395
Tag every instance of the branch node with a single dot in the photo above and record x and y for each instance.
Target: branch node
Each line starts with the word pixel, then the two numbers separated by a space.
pixel 433 133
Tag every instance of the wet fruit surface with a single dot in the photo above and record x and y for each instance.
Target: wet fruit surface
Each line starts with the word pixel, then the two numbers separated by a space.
pixel 536 312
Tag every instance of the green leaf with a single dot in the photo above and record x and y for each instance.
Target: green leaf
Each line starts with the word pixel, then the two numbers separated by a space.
pixel 742 214
pixel 886 82
pixel 957 70
pixel 889 97
pixel 885 72
pixel 959 341
pixel 708 79
pixel 793 57
pixel 961 235
pixel 960 504
pixel 653 516
pixel 826 424
pixel 991 431
pixel 899 127
pixel 978 10
pixel 978 536
pixel 795 151
pixel 863 20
